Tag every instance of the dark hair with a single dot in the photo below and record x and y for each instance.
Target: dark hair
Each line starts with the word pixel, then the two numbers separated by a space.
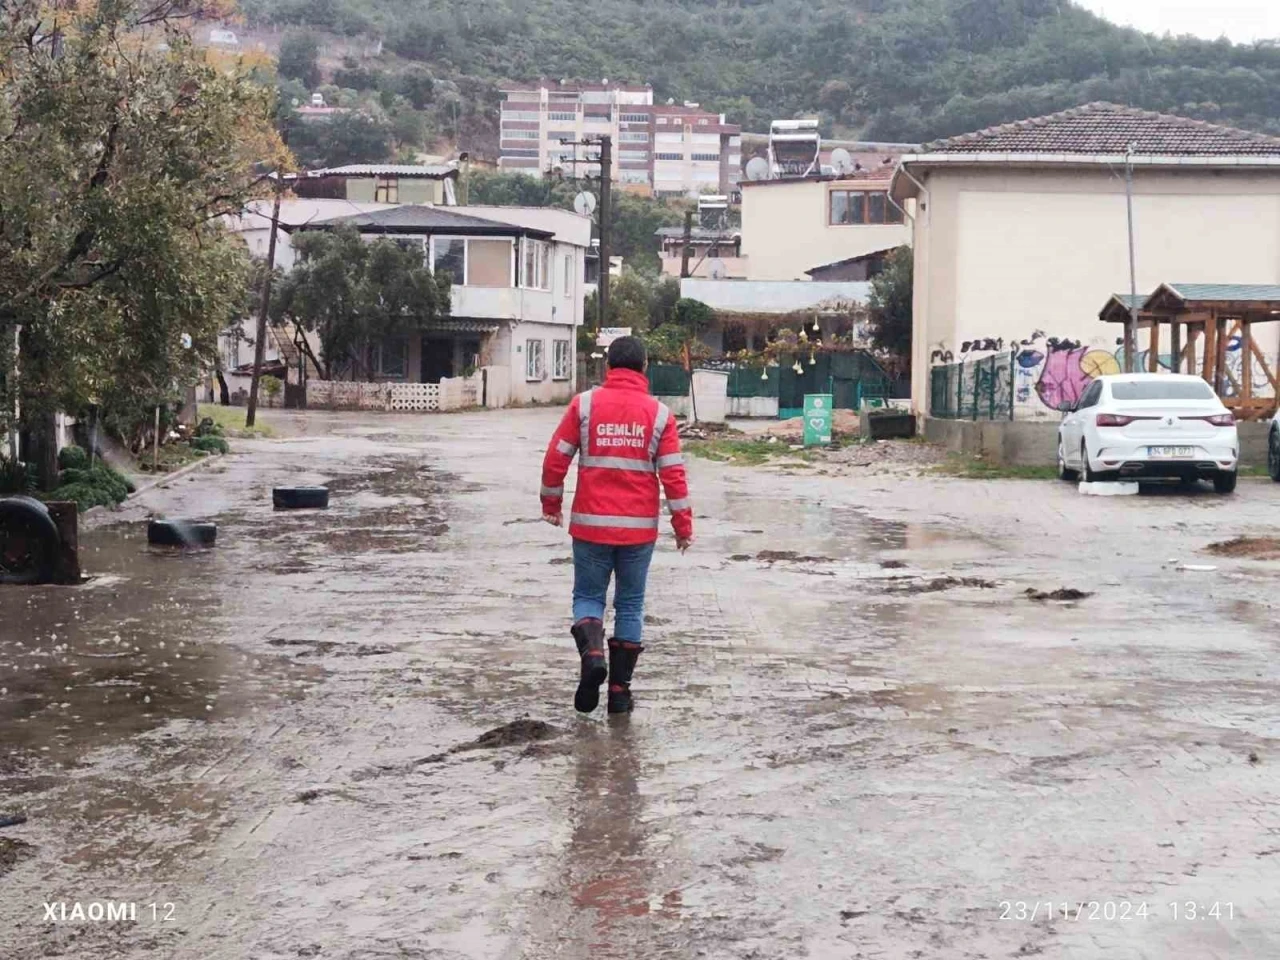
pixel 627 353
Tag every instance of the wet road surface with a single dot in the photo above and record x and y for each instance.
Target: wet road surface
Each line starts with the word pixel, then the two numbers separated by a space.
pixel 856 735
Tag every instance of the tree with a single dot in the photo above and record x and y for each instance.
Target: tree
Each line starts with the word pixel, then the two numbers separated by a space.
pixel 116 268
pixel 890 303
pixel 299 57
pixel 355 293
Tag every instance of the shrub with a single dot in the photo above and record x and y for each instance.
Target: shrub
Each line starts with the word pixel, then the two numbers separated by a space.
pixel 73 458
pixel 209 443
pixel 99 485
pixel 16 477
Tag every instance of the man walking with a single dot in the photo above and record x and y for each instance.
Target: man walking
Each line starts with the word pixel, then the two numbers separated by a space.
pixel 626 442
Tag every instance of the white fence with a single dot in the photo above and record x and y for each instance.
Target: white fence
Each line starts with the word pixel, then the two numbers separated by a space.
pixel 450 394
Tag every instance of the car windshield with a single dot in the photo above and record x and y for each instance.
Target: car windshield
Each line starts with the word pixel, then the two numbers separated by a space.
pixel 1161 389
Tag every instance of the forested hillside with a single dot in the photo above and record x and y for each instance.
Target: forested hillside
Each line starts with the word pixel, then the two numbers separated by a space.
pixel 882 69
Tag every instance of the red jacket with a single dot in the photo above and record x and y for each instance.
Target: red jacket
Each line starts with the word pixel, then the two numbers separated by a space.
pixel 627 442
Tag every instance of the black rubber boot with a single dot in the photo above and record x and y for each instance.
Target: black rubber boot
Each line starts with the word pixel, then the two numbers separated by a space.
pixel 622 660
pixel 589 636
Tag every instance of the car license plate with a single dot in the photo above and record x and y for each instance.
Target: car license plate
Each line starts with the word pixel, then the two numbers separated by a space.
pixel 1170 453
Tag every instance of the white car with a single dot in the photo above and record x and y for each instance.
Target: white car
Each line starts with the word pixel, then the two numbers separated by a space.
pixel 1140 425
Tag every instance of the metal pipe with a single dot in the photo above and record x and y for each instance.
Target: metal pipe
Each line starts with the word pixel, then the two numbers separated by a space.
pixel 1133 270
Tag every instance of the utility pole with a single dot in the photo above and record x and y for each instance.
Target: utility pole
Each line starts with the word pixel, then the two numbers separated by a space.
pixel 1131 341
pixel 260 346
pixel 687 250
pixel 606 216
pixel 13 384
pixel 604 208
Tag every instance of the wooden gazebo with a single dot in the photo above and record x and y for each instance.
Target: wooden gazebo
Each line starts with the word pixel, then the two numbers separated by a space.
pixel 1203 318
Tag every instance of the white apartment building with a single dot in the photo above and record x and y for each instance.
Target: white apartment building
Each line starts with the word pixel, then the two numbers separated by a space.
pixel 666 149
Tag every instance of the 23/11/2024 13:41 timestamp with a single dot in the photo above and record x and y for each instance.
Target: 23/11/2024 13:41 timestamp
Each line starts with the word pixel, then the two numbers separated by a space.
pixel 1074 911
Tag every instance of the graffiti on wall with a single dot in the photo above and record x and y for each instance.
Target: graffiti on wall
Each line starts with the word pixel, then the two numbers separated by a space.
pixel 1050 373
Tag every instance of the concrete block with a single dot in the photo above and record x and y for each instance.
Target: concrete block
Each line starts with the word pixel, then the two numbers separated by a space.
pixel 1108 489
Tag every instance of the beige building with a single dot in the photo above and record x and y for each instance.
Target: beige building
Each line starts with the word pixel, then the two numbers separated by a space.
pixel 1020 235
pixel 790 226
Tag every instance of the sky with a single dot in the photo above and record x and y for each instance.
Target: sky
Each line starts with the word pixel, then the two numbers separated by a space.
pixel 1242 20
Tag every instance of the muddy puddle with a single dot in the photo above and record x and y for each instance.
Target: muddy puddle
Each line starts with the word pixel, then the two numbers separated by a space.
pixel 140 644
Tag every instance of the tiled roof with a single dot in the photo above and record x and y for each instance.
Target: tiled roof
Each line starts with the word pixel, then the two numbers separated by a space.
pixel 1241 292
pixel 1108 129
pixel 416 217
pixel 435 172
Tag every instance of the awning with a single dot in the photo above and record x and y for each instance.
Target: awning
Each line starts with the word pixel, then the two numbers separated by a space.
pixel 454 325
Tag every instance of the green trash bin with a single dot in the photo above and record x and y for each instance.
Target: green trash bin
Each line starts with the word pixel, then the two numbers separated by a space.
pixel 817 419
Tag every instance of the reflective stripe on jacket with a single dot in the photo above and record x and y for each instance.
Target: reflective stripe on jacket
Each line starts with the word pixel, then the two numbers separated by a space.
pixel 626 442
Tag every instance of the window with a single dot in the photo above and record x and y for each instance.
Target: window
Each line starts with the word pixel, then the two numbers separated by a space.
pixel 1161 389
pixel 634 118
pixel 633 154
pixel 391 358
pixel 568 276
pixel 641 137
pixel 557 135
pixel 449 255
pixel 533 366
pixel 520 115
pixel 386 190
pixel 560 359
pixel 661 121
pixel 847 207
pixel 703 122
pixel 668 156
pixel 521 135
pixel 875 207
pixel 715 157
pixel 1093 392
pixel 508 152
pixel 411 244
pixel 561 115
pixel 855 206
pixel 537 265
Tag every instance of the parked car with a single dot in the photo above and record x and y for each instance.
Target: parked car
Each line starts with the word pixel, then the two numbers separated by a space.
pixel 1273 448
pixel 1141 425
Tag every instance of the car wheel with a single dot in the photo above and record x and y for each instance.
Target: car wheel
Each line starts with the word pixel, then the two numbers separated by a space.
pixel 1273 455
pixel 1224 481
pixel 181 533
pixel 1086 471
pixel 300 498
pixel 1065 472
pixel 29 541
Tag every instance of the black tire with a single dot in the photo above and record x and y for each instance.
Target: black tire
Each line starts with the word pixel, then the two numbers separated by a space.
pixel 300 498
pixel 1273 454
pixel 1224 481
pixel 1086 472
pixel 1065 473
pixel 29 541
pixel 181 533
pixel 1089 475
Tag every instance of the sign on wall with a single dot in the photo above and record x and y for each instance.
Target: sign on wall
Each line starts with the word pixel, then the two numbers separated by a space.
pixel 607 335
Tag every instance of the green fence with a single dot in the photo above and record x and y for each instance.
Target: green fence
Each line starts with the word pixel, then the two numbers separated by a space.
pixel 849 377
pixel 668 380
pixel 973 389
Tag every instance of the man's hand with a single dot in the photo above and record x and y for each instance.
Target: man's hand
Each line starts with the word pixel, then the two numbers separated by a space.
pixel 683 543
pixel 555 519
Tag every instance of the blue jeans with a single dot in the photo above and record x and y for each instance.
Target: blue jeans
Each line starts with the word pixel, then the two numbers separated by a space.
pixel 593 565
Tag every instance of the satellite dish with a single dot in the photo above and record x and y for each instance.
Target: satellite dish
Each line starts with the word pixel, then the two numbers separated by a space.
pixel 584 203
pixel 757 168
pixel 841 160
pixel 716 269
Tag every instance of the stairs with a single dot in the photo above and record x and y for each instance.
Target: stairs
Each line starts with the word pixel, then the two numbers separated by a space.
pixel 283 336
